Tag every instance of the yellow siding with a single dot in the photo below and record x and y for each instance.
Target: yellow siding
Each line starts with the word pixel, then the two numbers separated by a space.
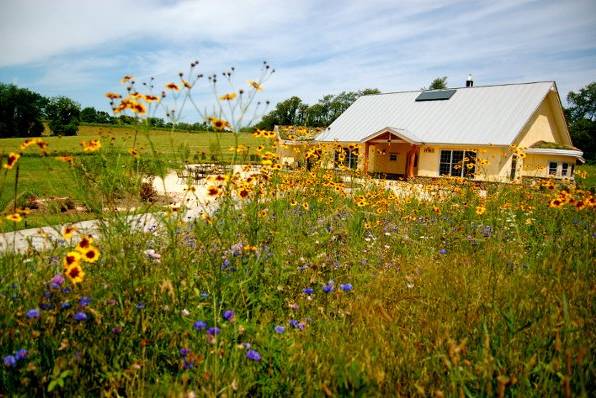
pixel 537 165
pixel 544 126
pixel 497 168
pixel 380 163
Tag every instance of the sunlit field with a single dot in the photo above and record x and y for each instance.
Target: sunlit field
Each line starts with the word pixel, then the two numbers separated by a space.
pixel 285 281
pixel 307 283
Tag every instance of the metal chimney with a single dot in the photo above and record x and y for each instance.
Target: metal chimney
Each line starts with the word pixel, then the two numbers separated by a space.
pixel 469 81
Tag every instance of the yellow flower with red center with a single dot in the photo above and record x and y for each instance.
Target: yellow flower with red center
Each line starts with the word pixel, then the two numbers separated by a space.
pixel 361 201
pixel 90 255
pixel 75 273
pixel 16 217
pixel 133 152
pixel 256 85
pixel 243 192
pixel 91 145
pixel 111 95
pixel 71 258
pixel 172 86
pixel 151 98
pixel 213 190
pixel 228 97
pixel 305 205
pixel 84 244
pixel 12 160
pixel 556 203
pixel 219 124
pixel 66 159
pixel 68 231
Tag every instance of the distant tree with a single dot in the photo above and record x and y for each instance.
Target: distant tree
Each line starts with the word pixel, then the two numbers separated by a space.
pixel 155 122
pixel 581 116
pixel 293 111
pixel 126 120
pixel 439 83
pixel 89 115
pixel 104 118
pixel 63 116
pixel 21 111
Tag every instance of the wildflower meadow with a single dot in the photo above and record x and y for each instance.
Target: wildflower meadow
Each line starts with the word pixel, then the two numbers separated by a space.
pixel 261 280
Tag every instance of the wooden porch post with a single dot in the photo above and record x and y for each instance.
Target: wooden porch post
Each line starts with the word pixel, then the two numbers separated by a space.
pixel 366 146
pixel 411 157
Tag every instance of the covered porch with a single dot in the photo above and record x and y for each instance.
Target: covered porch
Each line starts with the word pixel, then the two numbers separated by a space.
pixel 390 152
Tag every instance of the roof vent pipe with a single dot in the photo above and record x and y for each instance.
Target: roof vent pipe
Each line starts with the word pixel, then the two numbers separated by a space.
pixel 469 81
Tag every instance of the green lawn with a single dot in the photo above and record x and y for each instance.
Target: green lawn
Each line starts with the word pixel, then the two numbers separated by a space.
pixel 46 177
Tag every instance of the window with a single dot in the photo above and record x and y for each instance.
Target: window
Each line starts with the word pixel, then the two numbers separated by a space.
pixel 564 168
pixel 393 157
pixel 552 168
pixel 348 158
pixel 457 163
pixel 513 167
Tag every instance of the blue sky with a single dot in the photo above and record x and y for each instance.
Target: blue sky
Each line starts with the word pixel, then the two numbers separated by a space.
pixel 81 48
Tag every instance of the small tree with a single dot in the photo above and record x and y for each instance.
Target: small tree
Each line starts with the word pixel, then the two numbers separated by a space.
pixel 439 83
pixel 63 115
pixel 89 115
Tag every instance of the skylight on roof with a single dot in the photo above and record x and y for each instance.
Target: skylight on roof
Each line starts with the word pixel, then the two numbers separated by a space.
pixel 435 95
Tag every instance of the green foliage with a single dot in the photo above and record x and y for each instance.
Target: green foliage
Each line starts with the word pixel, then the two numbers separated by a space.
pixel 63 116
pixel 581 116
pixel 505 310
pixel 439 83
pixel 294 112
pixel 21 111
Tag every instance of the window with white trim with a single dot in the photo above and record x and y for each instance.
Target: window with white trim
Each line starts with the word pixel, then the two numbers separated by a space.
pixel 564 169
pixel 552 168
pixel 457 163
pixel 348 158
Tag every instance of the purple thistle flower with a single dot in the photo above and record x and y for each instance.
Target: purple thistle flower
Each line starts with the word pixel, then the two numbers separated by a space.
pixel 32 313
pixel 80 316
pixel 346 287
pixel 328 288
pixel 308 291
pixel 21 354
pixel 228 315
pixel 443 251
pixel 214 331
pixel 253 355
pixel 279 329
pixel 199 325
pixel 84 301
pixel 10 361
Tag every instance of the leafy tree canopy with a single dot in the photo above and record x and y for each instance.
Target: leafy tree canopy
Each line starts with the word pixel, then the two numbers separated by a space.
pixel 21 112
pixel 581 116
pixel 439 83
pixel 63 116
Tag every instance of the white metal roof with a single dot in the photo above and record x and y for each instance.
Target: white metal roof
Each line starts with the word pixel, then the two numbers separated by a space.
pixel 476 115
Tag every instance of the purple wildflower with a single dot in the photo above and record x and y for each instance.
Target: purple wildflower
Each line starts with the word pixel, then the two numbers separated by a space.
pixel 237 249
pixel 84 301
pixel 65 305
pixel 56 281
pixel 279 329
pixel 346 287
pixel 225 264
pixel 45 306
pixel 214 331
pixel 308 291
pixel 328 288
pixel 253 355
pixel 199 325
pixel 10 361
pixel 117 330
pixel 21 354
pixel 228 315
pixel 32 313
pixel 66 290
pixel 80 316
pixel 443 251
pixel 294 323
pixel 140 305
pixel 183 352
